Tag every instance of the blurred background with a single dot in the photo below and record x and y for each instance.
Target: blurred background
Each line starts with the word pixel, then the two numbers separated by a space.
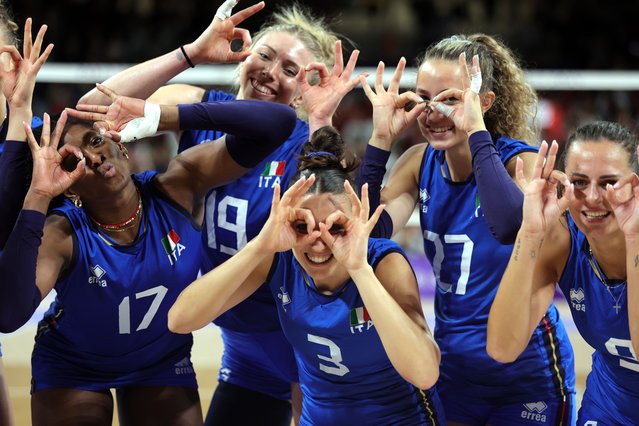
pixel 559 39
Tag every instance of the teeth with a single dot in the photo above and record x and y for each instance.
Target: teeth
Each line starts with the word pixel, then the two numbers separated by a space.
pixel 440 129
pixel 318 259
pixel 596 214
pixel 262 89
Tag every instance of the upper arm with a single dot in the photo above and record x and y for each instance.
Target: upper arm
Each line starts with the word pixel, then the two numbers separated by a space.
pixel 174 94
pixel 397 276
pixel 55 252
pixel 402 188
pixel 529 159
pixel 192 173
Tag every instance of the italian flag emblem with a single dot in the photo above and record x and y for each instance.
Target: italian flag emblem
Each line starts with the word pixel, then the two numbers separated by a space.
pixel 359 316
pixel 170 241
pixel 274 168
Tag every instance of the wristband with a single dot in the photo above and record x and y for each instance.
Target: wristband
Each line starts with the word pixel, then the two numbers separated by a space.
pixel 142 127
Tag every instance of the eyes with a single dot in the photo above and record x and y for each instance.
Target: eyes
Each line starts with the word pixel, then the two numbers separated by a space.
pixel 336 229
pixel 582 184
pixel 289 70
pixel 96 141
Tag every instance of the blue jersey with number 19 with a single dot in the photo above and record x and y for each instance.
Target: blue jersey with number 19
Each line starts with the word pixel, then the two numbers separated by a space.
pixel 345 374
pixel 601 315
pixel 468 263
pixel 108 324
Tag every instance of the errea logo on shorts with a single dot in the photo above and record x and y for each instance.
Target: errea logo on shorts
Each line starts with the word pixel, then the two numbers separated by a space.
pixel 577 297
pixel 534 411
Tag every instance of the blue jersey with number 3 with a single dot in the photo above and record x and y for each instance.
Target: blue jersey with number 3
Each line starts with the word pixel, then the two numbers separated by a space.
pixel 345 374
pixel 613 384
pixel 468 263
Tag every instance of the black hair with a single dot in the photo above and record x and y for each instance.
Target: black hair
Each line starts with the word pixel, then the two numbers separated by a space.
pixel 326 157
pixel 601 131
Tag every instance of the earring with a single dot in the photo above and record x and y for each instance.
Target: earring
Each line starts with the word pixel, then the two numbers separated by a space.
pixel 77 202
pixel 126 154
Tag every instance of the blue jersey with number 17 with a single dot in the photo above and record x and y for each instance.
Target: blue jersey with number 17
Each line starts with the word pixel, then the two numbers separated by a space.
pixel 235 214
pixel 468 263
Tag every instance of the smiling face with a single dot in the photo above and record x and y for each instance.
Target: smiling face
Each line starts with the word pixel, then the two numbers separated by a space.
pixel 269 73
pixel 435 76
pixel 316 258
pixel 105 161
pixel 590 166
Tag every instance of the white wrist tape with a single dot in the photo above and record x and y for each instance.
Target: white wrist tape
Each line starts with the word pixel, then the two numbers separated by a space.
pixel 225 10
pixel 142 127
pixel 447 110
pixel 475 82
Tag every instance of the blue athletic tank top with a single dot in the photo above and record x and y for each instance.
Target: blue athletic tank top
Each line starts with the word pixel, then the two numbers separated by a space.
pixel 601 316
pixel 345 374
pixel 468 263
pixel 236 212
pixel 110 312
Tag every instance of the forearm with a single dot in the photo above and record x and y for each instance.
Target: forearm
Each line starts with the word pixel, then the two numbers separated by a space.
pixel 218 291
pixel 501 198
pixel 19 296
pixel 632 271
pixel 509 324
pixel 372 171
pixel 409 347
pixel 14 183
pixel 142 80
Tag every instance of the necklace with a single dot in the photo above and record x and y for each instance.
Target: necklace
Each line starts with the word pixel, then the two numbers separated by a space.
pixel 599 273
pixel 124 225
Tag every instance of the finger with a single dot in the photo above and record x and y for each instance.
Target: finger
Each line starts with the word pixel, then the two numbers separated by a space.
pixel 110 93
pixel 379 78
pixel 46 130
pixel 307 217
pixel 59 128
pixel 352 196
pixel 449 93
pixel 352 62
pixel 443 109
pixel 475 76
pixel 28 41
pixel 225 10
pixel 13 52
pixel 245 36
pixel 42 59
pixel 366 208
pixel 397 76
pixel 71 157
pixel 549 165
pixel 408 97
pixel 540 160
pixel 79 171
pixel 559 176
pixel 86 116
pixel 31 140
pixel 326 236
pixel 37 46
pixel 275 201
pixel 367 88
pixel 338 58
pixel 113 135
pixel 631 179
pixel 240 16
pixel 463 70
pixel 321 70
pixel 301 79
pixel 519 172
pixel 568 196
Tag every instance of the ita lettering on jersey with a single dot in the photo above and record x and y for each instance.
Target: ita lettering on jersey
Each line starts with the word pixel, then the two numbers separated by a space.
pixel 424 196
pixel 535 411
pixel 360 320
pixel 97 274
pixel 272 174
pixel 577 297
pixel 172 246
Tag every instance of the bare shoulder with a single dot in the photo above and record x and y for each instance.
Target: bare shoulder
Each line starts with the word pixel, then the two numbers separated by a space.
pixel 174 94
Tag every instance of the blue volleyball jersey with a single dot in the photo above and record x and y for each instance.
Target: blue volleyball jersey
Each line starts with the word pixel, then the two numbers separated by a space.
pixel 613 383
pixel 468 263
pixel 235 214
pixel 345 374
pixel 109 318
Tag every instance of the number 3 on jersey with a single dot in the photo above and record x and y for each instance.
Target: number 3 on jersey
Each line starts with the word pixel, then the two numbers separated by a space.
pixel 225 209
pixel 440 254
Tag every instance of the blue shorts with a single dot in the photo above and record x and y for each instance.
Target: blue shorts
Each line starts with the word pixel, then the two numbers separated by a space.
pixel 51 370
pixel 544 412
pixel 262 362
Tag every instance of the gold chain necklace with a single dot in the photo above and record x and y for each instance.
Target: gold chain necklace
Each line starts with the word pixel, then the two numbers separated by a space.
pixel 124 225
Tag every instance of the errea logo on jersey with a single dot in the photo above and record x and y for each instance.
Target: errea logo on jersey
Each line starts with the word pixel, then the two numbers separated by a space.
pixel 577 297
pixel 172 246
pixel 424 196
pixel 272 174
pixel 97 272
pixel 534 411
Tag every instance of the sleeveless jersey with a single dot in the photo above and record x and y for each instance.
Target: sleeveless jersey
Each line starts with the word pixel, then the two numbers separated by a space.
pixel 345 374
pixel 468 263
pixel 613 383
pixel 109 318
pixel 235 214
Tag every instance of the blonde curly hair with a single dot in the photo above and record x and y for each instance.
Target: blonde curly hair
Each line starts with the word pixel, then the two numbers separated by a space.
pixel 8 27
pixel 514 111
